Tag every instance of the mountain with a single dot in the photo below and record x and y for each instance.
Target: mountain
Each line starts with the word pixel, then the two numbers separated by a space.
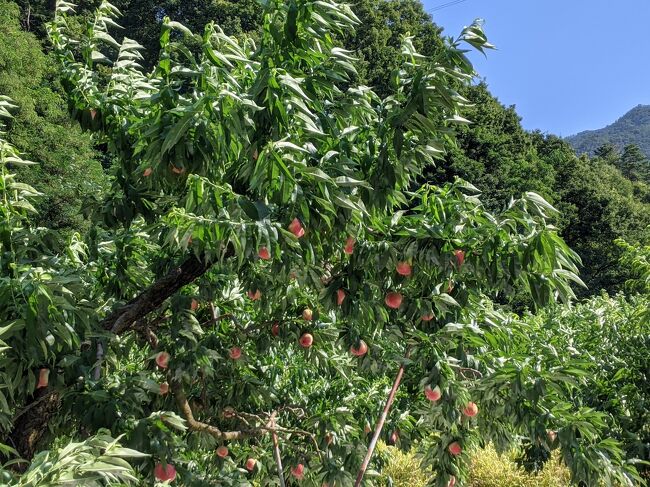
pixel 631 128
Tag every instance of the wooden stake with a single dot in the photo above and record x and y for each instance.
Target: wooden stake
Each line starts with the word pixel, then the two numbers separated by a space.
pixel 276 452
pixel 380 423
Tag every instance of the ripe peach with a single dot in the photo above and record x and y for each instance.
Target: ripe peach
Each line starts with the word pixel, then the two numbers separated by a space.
pixel 296 228
pixel 147 172
pixel 298 471
pixel 455 449
pixel 178 170
pixel 349 246
pixel 340 296
pixel 471 409
pixel 275 329
pixel 428 317
pixel 250 464
pixel 394 437
pixel 222 451
pixel 551 436
pixel 307 314
pixel 254 296
pixel 393 300
pixel 404 269
pixel 162 360
pixel 168 472
pixel 460 257
pixel 452 481
pixel 306 340
pixel 264 253
pixel 194 305
pixel 434 394
pixel 235 353
pixel 164 388
pixel 359 351
pixel 43 378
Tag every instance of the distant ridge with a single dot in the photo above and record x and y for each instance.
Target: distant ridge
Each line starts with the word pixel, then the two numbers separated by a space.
pixel 631 128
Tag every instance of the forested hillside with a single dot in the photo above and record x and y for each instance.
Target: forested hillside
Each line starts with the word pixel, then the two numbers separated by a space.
pixel 69 168
pixel 248 226
pixel 633 128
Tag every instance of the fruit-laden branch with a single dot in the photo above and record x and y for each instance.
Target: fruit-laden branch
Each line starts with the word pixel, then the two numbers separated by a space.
pixel 28 429
pixel 151 298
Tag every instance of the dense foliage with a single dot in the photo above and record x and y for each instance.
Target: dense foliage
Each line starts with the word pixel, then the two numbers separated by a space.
pixel 68 171
pixel 613 335
pixel 377 40
pixel 279 238
pixel 600 199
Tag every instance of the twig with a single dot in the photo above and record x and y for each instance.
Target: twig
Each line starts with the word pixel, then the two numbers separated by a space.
pixel 461 370
pixel 271 420
pixel 270 426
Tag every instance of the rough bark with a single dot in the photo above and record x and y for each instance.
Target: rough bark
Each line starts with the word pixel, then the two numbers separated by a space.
pixel 31 424
pixel 151 298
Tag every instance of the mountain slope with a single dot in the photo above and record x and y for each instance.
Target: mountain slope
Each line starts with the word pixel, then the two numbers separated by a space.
pixel 631 128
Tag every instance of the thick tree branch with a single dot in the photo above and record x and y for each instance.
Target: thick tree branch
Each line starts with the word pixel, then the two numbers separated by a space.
pixel 151 298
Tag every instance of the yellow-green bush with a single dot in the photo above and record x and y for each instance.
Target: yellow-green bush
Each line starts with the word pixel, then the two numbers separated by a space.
pixel 488 470
pixel 403 468
pixel 491 470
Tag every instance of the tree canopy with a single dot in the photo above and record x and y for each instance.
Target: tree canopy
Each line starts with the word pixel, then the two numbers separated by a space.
pixel 284 249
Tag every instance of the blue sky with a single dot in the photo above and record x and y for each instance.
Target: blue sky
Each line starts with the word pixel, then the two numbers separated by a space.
pixel 568 65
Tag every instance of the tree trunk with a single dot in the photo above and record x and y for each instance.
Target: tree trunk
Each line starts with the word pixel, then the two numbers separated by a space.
pixel 31 425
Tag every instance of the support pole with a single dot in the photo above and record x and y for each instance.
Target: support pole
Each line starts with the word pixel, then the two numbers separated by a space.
pixel 276 452
pixel 380 423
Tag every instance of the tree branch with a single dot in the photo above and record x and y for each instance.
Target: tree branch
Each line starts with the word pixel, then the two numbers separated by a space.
pixel 151 298
pixel 194 425
pixel 268 425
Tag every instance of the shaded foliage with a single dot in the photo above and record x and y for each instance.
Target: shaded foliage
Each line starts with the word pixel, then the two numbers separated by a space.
pixel 69 169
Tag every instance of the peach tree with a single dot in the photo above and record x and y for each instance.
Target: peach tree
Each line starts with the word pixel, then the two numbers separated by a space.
pixel 270 269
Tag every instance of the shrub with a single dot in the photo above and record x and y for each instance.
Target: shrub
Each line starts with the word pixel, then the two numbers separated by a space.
pixel 401 468
pixel 488 469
